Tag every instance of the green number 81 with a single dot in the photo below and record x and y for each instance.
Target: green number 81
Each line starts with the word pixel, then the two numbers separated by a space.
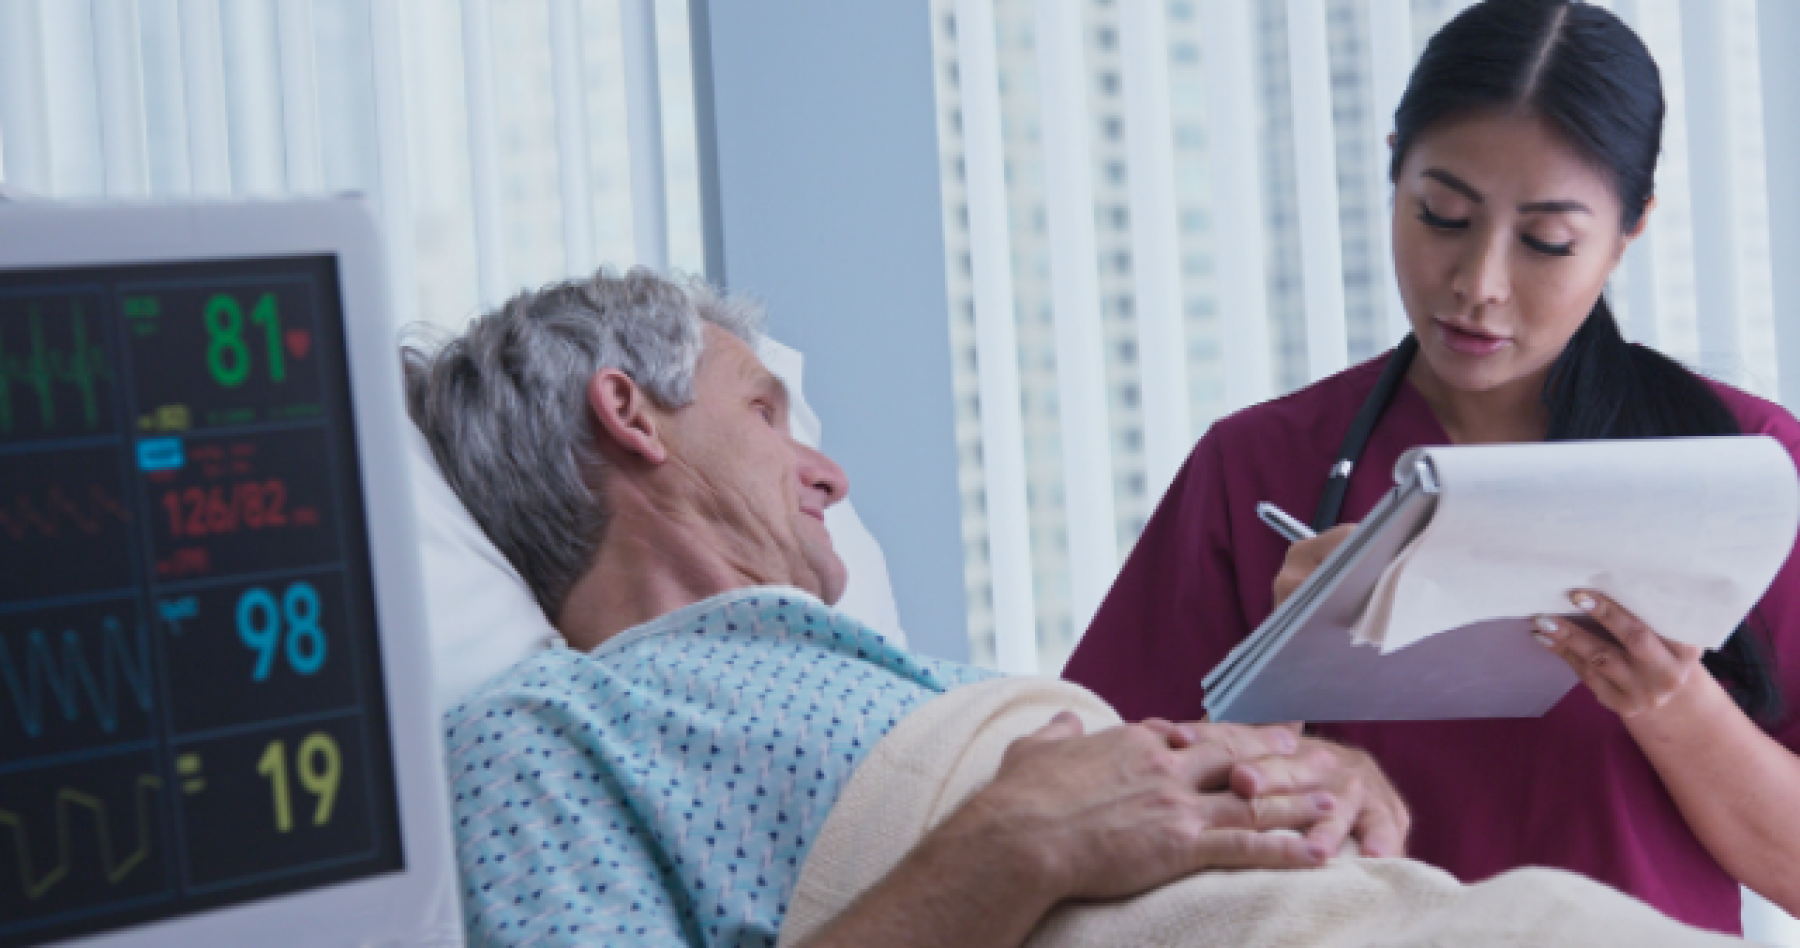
pixel 226 356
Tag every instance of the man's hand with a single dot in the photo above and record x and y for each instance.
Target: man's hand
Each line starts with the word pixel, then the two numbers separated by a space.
pixel 1112 814
pixel 1072 815
pixel 1368 809
pixel 1304 557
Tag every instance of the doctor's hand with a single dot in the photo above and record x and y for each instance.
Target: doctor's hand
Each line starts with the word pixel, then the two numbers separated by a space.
pixel 1638 672
pixel 1369 809
pixel 1304 557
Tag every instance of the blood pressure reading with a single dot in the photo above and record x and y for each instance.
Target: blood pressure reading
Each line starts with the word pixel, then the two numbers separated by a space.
pixel 191 707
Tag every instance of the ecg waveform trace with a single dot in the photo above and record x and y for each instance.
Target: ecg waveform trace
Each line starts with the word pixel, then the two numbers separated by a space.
pixel 67 798
pixel 75 677
pixel 48 515
pixel 43 366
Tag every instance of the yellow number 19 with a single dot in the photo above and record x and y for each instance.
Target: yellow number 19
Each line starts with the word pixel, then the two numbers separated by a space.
pixel 320 765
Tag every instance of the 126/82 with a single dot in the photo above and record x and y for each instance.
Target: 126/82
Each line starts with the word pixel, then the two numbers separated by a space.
pixel 199 511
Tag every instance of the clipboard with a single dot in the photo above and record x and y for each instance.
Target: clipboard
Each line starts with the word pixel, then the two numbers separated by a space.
pixel 1301 665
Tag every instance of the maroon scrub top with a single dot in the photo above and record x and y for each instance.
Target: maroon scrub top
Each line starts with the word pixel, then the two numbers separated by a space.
pixel 1569 789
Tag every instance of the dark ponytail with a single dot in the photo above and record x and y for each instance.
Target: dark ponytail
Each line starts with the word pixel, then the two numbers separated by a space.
pixel 1586 74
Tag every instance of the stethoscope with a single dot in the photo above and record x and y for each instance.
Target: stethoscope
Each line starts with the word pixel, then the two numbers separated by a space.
pixel 1331 506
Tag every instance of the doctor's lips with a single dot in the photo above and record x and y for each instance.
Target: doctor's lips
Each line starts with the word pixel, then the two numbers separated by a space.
pixel 1469 341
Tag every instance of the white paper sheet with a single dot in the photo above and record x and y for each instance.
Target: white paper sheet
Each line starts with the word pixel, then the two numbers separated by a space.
pixel 1686 533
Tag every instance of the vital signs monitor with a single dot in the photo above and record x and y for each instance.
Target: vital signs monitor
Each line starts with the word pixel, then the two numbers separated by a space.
pixel 215 720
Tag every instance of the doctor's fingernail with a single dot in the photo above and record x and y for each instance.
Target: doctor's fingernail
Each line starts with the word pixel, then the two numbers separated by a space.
pixel 1584 602
pixel 1544 640
pixel 1324 802
pixel 1546 625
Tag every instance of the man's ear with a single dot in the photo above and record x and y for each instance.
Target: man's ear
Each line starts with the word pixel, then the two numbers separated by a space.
pixel 626 416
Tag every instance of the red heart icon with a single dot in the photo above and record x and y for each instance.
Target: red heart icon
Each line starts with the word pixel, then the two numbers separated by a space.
pixel 299 342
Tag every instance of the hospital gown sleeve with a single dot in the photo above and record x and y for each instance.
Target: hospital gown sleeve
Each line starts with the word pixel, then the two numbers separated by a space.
pixel 548 853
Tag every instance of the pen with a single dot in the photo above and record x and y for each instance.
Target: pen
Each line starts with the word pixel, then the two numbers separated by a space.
pixel 1290 529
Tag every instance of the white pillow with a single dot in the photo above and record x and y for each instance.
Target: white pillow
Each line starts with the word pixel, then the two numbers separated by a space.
pixel 483 617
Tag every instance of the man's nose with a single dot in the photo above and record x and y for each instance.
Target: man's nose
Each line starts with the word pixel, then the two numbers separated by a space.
pixel 822 474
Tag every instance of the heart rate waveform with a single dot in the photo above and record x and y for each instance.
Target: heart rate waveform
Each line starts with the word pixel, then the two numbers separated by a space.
pixel 115 866
pixel 40 683
pixel 52 374
pixel 54 511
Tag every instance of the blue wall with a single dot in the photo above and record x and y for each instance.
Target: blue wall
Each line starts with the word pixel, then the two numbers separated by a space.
pixel 820 143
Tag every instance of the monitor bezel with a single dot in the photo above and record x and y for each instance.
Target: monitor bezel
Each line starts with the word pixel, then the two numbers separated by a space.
pixel 419 902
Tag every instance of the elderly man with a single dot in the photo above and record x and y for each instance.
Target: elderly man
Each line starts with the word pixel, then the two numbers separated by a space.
pixel 662 779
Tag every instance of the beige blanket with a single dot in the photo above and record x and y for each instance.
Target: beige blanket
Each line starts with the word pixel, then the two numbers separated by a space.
pixel 928 765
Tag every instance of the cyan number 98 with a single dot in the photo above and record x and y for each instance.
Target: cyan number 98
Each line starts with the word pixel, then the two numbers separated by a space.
pixel 260 622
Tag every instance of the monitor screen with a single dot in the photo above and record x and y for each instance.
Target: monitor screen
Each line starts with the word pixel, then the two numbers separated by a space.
pixel 191 691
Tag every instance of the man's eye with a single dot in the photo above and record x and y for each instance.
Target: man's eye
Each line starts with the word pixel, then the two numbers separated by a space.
pixel 1441 223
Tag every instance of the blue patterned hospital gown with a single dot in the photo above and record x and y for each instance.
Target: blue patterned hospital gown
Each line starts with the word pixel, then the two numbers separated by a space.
pixel 664 788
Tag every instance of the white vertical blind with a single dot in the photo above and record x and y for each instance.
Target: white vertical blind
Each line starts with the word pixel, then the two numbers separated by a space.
pixel 1634 284
pixel 643 119
pixel 78 165
pixel 299 96
pixel 253 97
pixel 1711 181
pixel 170 172
pixel 387 42
pixel 23 103
pixel 203 73
pixel 1238 198
pixel 571 137
pixel 1315 171
pixel 1668 279
pixel 997 344
pixel 1162 343
pixel 1391 58
pixel 1778 24
pixel 484 163
pixel 1075 288
pixel 119 69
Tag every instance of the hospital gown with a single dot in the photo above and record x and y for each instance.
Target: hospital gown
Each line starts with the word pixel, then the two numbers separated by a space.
pixel 664 788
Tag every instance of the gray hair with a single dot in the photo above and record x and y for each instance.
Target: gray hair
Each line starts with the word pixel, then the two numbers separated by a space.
pixel 504 405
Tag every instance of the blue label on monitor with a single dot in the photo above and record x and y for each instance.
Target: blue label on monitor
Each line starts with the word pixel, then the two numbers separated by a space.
pixel 160 454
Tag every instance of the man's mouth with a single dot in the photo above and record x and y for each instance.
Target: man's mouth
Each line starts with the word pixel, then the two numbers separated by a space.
pixel 818 515
pixel 1469 341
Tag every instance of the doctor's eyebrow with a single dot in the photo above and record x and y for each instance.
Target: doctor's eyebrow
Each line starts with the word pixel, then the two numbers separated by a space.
pixel 1467 190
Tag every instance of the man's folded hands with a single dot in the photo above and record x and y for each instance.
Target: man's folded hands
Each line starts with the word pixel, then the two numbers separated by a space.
pixel 1117 812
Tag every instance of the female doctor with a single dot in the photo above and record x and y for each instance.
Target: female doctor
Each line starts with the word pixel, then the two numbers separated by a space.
pixel 1524 152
